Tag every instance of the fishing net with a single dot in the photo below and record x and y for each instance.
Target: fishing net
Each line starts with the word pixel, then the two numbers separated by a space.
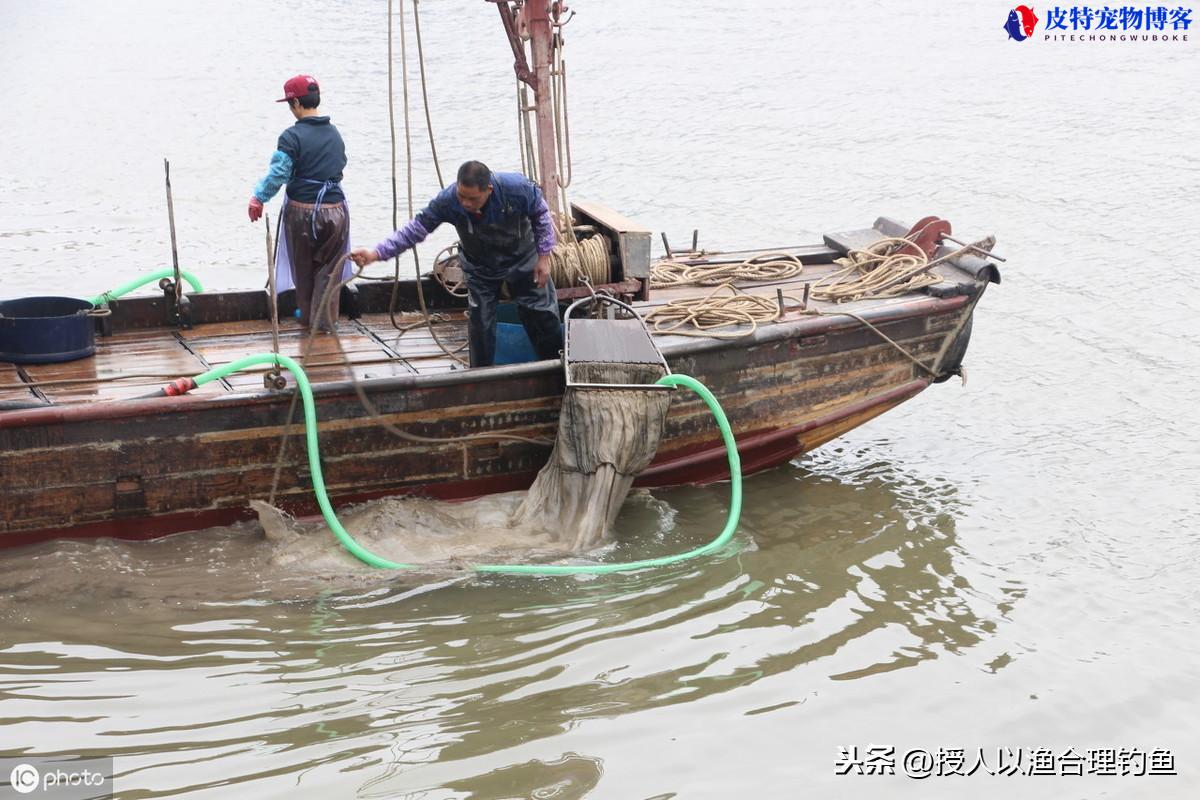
pixel 605 438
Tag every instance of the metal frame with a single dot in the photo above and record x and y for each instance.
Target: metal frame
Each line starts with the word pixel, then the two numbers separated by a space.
pixel 566 356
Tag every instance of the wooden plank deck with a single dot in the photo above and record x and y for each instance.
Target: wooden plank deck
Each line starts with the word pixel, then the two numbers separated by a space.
pixel 136 363
pixel 13 387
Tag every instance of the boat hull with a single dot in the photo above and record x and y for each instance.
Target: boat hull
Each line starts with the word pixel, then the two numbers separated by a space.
pixel 145 468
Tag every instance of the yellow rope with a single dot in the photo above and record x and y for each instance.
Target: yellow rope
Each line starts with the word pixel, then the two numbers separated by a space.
pixel 573 260
pixel 562 122
pixel 408 149
pixel 724 306
pixel 762 267
pixel 707 314
pixel 425 91
pixel 447 269
pixel 878 270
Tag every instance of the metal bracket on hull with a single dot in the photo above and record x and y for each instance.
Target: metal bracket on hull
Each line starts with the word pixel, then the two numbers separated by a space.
pixel 609 340
pixel 178 313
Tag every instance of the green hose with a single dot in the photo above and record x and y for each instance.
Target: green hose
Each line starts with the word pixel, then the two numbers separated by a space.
pixel 367 557
pixel 137 283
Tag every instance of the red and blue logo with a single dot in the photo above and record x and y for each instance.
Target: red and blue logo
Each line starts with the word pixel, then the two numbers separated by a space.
pixel 1021 22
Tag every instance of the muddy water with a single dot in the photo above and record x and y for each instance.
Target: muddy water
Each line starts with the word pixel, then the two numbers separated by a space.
pixel 1009 564
pixel 281 558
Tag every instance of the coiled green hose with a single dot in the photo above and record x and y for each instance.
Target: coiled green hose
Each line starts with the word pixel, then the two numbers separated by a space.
pixel 367 557
pixel 137 283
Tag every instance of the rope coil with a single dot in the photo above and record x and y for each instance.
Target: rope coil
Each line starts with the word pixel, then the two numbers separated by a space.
pixel 883 269
pixel 724 306
pixel 574 262
pixel 761 267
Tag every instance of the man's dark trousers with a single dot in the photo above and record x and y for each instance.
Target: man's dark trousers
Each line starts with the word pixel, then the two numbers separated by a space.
pixel 537 308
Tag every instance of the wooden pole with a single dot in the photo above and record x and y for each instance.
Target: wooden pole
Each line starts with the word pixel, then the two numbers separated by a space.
pixel 537 19
pixel 174 247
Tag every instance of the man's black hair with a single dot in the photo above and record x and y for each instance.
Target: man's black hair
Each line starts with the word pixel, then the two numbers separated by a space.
pixel 310 100
pixel 474 174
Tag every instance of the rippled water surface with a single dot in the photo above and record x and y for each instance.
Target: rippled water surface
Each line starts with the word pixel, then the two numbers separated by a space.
pixel 1009 564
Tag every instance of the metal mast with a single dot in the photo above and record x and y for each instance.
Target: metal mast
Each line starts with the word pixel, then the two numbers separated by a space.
pixel 531 20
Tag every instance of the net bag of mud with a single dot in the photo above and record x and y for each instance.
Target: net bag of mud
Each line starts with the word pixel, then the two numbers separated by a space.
pixel 609 427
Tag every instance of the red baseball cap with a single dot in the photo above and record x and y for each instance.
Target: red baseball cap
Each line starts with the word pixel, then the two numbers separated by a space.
pixel 298 87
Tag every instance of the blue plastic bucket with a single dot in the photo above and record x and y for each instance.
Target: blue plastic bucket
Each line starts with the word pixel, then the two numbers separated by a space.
pixel 512 343
pixel 46 330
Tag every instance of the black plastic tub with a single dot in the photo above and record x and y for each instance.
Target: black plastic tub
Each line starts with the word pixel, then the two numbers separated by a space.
pixel 46 330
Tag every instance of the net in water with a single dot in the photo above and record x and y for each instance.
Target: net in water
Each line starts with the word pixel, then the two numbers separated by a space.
pixel 605 438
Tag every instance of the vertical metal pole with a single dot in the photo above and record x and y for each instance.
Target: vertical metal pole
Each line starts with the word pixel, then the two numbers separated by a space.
pixel 537 20
pixel 273 299
pixel 174 248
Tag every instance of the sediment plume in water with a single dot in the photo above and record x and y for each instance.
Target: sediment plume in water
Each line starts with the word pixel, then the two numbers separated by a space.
pixel 605 438
pixel 434 535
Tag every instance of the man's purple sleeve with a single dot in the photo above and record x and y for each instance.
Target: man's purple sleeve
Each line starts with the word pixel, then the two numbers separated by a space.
pixel 543 226
pixel 407 237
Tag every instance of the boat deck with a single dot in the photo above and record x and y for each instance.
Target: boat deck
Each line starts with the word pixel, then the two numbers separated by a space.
pixel 135 363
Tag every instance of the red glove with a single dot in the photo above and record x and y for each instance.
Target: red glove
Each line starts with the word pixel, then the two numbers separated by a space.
pixel 256 209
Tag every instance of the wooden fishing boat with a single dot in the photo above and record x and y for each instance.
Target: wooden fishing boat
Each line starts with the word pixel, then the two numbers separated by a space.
pixel 84 452
pixel 87 456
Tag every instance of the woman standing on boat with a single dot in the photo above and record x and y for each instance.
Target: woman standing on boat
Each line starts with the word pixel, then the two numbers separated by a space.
pixel 314 230
pixel 506 236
